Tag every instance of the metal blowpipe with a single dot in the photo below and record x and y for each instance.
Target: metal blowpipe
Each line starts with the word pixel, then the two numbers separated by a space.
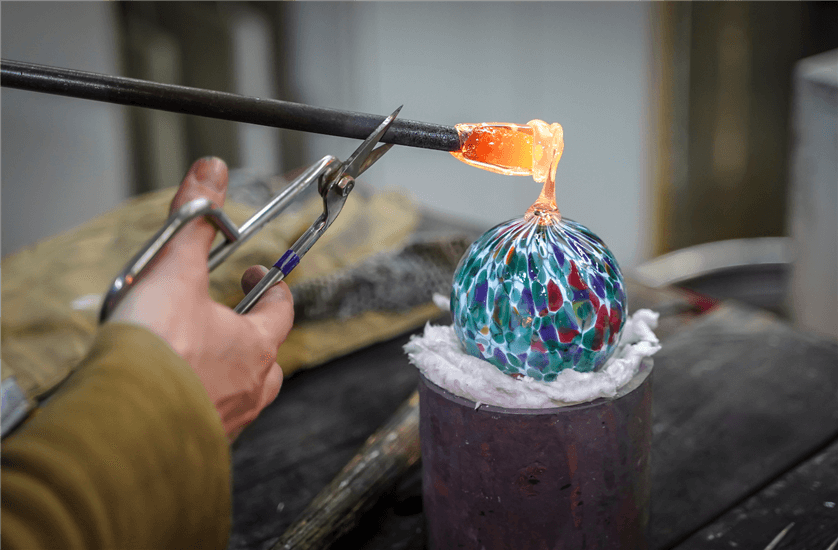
pixel 223 105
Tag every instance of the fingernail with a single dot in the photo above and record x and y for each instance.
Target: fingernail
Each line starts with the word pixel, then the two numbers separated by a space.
pixel 203 172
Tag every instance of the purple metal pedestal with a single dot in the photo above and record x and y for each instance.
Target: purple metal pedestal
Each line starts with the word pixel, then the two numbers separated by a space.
pixel 573 477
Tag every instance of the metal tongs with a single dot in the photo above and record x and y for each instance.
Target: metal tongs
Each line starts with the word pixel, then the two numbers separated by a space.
pixel 335 180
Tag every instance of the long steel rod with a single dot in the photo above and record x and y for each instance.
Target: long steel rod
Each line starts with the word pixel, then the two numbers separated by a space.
pixel 223 105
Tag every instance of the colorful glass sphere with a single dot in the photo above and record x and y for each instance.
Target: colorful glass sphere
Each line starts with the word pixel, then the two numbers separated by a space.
pixel 534 299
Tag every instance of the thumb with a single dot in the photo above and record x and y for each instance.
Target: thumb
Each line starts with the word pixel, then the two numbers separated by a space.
pixel 206 178
pixel 252 276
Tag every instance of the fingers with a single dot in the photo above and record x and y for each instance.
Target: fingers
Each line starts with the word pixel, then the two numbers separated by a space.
pixel 274 312
pixel 273 382
pixel 252 276
pixel 206 178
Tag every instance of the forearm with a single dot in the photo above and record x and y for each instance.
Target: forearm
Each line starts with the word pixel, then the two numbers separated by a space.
pixel 130 454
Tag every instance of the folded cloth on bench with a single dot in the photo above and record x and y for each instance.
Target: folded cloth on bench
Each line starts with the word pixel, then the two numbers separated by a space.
pixel 51 292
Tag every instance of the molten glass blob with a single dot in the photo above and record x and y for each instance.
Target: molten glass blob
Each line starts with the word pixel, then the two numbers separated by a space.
pixel 538 294
pixel 499 147
pixel 516 150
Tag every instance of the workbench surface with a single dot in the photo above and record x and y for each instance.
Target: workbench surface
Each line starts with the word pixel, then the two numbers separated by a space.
pixel 745 436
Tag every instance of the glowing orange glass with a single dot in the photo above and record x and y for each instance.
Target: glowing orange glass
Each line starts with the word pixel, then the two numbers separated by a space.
pixel 517 150
pixel 499 147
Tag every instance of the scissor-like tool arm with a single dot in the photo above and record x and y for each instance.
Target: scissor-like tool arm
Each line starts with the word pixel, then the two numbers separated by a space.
pixel 335 180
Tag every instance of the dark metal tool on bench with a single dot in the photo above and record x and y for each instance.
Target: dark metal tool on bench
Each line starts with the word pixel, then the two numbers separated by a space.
pixel 381 461
pixel 781 535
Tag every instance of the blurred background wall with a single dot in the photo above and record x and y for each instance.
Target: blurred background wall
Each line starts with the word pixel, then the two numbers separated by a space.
pixel 725 112
pixel 62 161
pixel 677 116
pixel 583 65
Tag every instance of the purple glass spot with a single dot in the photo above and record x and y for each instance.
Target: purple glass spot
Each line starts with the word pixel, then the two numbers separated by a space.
pixel 526 296
pixel 599 284
pixel 548 333
pixel 558 253
pixel 609 262
pixel 579 295
pixel 533 268
pixel 481 291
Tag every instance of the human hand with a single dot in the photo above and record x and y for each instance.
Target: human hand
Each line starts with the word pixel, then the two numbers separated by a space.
pixel 233 355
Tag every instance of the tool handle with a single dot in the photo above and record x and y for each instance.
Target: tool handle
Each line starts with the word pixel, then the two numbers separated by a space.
pixel 201 207
pixel 234 236
pixel 284 265
pixel 334 196
pixel 317 172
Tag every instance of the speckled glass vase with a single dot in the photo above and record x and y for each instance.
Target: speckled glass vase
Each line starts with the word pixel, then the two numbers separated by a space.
pixel 534 299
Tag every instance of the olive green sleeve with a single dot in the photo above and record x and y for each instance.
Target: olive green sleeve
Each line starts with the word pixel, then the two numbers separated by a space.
pixel 130 454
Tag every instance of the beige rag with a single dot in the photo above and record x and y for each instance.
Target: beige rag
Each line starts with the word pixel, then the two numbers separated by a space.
pixel 51 292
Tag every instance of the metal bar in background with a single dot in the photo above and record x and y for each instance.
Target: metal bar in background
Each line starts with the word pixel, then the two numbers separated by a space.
pixel 223 105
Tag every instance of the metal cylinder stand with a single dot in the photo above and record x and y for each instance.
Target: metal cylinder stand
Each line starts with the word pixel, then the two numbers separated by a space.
pixel 570 477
